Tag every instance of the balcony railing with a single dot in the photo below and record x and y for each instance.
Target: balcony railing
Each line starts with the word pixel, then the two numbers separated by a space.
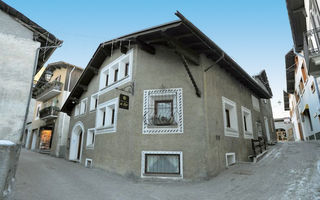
pixel 50 112
pixel 49 90
pixel 312 51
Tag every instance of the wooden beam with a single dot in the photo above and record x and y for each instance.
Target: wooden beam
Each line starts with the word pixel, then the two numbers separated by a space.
pixel 123 49
pixel 93 69
pixel 181 49
pixel 146 47
pixel 83 87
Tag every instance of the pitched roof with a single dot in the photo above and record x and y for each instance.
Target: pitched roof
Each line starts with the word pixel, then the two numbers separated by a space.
pixel 262 78
pixel 40 34
pixel 181 32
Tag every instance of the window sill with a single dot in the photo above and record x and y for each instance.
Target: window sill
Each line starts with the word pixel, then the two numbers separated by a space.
pixel 112 84
pixel 231 132
pixel 105 129
pixel 163 126
pixel 91 147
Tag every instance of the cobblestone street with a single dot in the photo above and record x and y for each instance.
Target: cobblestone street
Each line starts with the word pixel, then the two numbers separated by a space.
pixel 284 173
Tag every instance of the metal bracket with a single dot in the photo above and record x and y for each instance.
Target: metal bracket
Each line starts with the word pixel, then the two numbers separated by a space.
pixel 128 89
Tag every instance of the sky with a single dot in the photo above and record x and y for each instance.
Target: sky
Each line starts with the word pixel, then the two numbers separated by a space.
pixel 256 34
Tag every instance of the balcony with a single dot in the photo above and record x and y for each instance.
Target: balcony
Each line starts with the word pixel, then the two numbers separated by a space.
pixel 49 113
pixel 312 51
pixel 48 91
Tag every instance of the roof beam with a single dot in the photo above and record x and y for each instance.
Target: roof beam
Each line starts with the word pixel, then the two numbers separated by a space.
pixel 146 47
pixel 93 69
pixel 83 87
pixel 181 49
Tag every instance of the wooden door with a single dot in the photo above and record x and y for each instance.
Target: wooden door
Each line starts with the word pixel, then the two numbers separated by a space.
pixel 300 131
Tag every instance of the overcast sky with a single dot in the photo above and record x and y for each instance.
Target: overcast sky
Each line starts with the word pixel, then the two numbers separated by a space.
pixel 255 33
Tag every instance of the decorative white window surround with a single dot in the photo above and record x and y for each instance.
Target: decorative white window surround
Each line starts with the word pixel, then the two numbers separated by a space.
pixel 90 138
pixel 246 114
pixel 230 159
pixel 233 130
pixel 151 95
pixel 143 153
pixel 255 103
pixel 119 64
pixel 107 107
pixel 93 99
pixel 83 106
pixel 88 163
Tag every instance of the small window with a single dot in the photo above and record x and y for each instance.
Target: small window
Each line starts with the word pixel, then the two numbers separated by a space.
pixel 126 69
pixel 247 123
pixel 230 159
pixel 106 116
pixel 313 89
pixel 90 138
pixel 94 102
pixel 116 72
pixel 89 163
pixel 304 73
pixel 107 80
pixel 163 113
pixel 162 164
pixel 230 118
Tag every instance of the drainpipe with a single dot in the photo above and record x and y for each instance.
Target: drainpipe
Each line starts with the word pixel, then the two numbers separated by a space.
pixel 64 115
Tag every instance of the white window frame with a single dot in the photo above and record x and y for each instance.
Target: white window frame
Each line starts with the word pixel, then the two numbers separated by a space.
pixel 143 153
pixel 88 145
pixel 232 131
pixel 37 116
pixel 110 68
pixel 151 95
pixel 233 156
pixel 108 127
pixel 247 134
pixel 255 103
pixel 93 101
pixel 85 103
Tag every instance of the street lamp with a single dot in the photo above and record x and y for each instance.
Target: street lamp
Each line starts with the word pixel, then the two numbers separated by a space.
pixel 47 75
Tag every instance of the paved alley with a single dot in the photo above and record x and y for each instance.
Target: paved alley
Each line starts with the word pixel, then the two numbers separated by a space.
pixel 288 171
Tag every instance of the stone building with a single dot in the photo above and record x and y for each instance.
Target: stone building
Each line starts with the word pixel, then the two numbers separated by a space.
pixel 165 102
pixel 50 126
pixel 24 48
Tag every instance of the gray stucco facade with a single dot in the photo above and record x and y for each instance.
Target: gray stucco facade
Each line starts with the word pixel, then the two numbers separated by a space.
pixel 203 141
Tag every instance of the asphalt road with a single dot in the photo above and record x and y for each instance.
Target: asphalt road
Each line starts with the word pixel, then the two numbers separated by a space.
pixel 288 171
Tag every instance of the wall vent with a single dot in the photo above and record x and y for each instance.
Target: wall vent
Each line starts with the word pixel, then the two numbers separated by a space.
pixel 230 159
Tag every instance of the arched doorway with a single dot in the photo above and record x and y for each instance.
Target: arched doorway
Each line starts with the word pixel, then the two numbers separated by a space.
pixel 76 142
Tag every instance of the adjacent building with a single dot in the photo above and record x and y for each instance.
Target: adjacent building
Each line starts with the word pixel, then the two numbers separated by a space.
pixel 302 98
pixel 304 17
pixel 24 48
pixel 166 102
pixel 49 128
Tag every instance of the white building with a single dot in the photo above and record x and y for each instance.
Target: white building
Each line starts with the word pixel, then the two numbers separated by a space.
pixel 302 98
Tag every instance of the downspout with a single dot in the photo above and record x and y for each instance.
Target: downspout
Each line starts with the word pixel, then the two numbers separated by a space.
pixel 64 114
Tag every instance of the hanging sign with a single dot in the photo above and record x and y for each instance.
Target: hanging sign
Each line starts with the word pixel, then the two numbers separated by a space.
pixel 124 102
